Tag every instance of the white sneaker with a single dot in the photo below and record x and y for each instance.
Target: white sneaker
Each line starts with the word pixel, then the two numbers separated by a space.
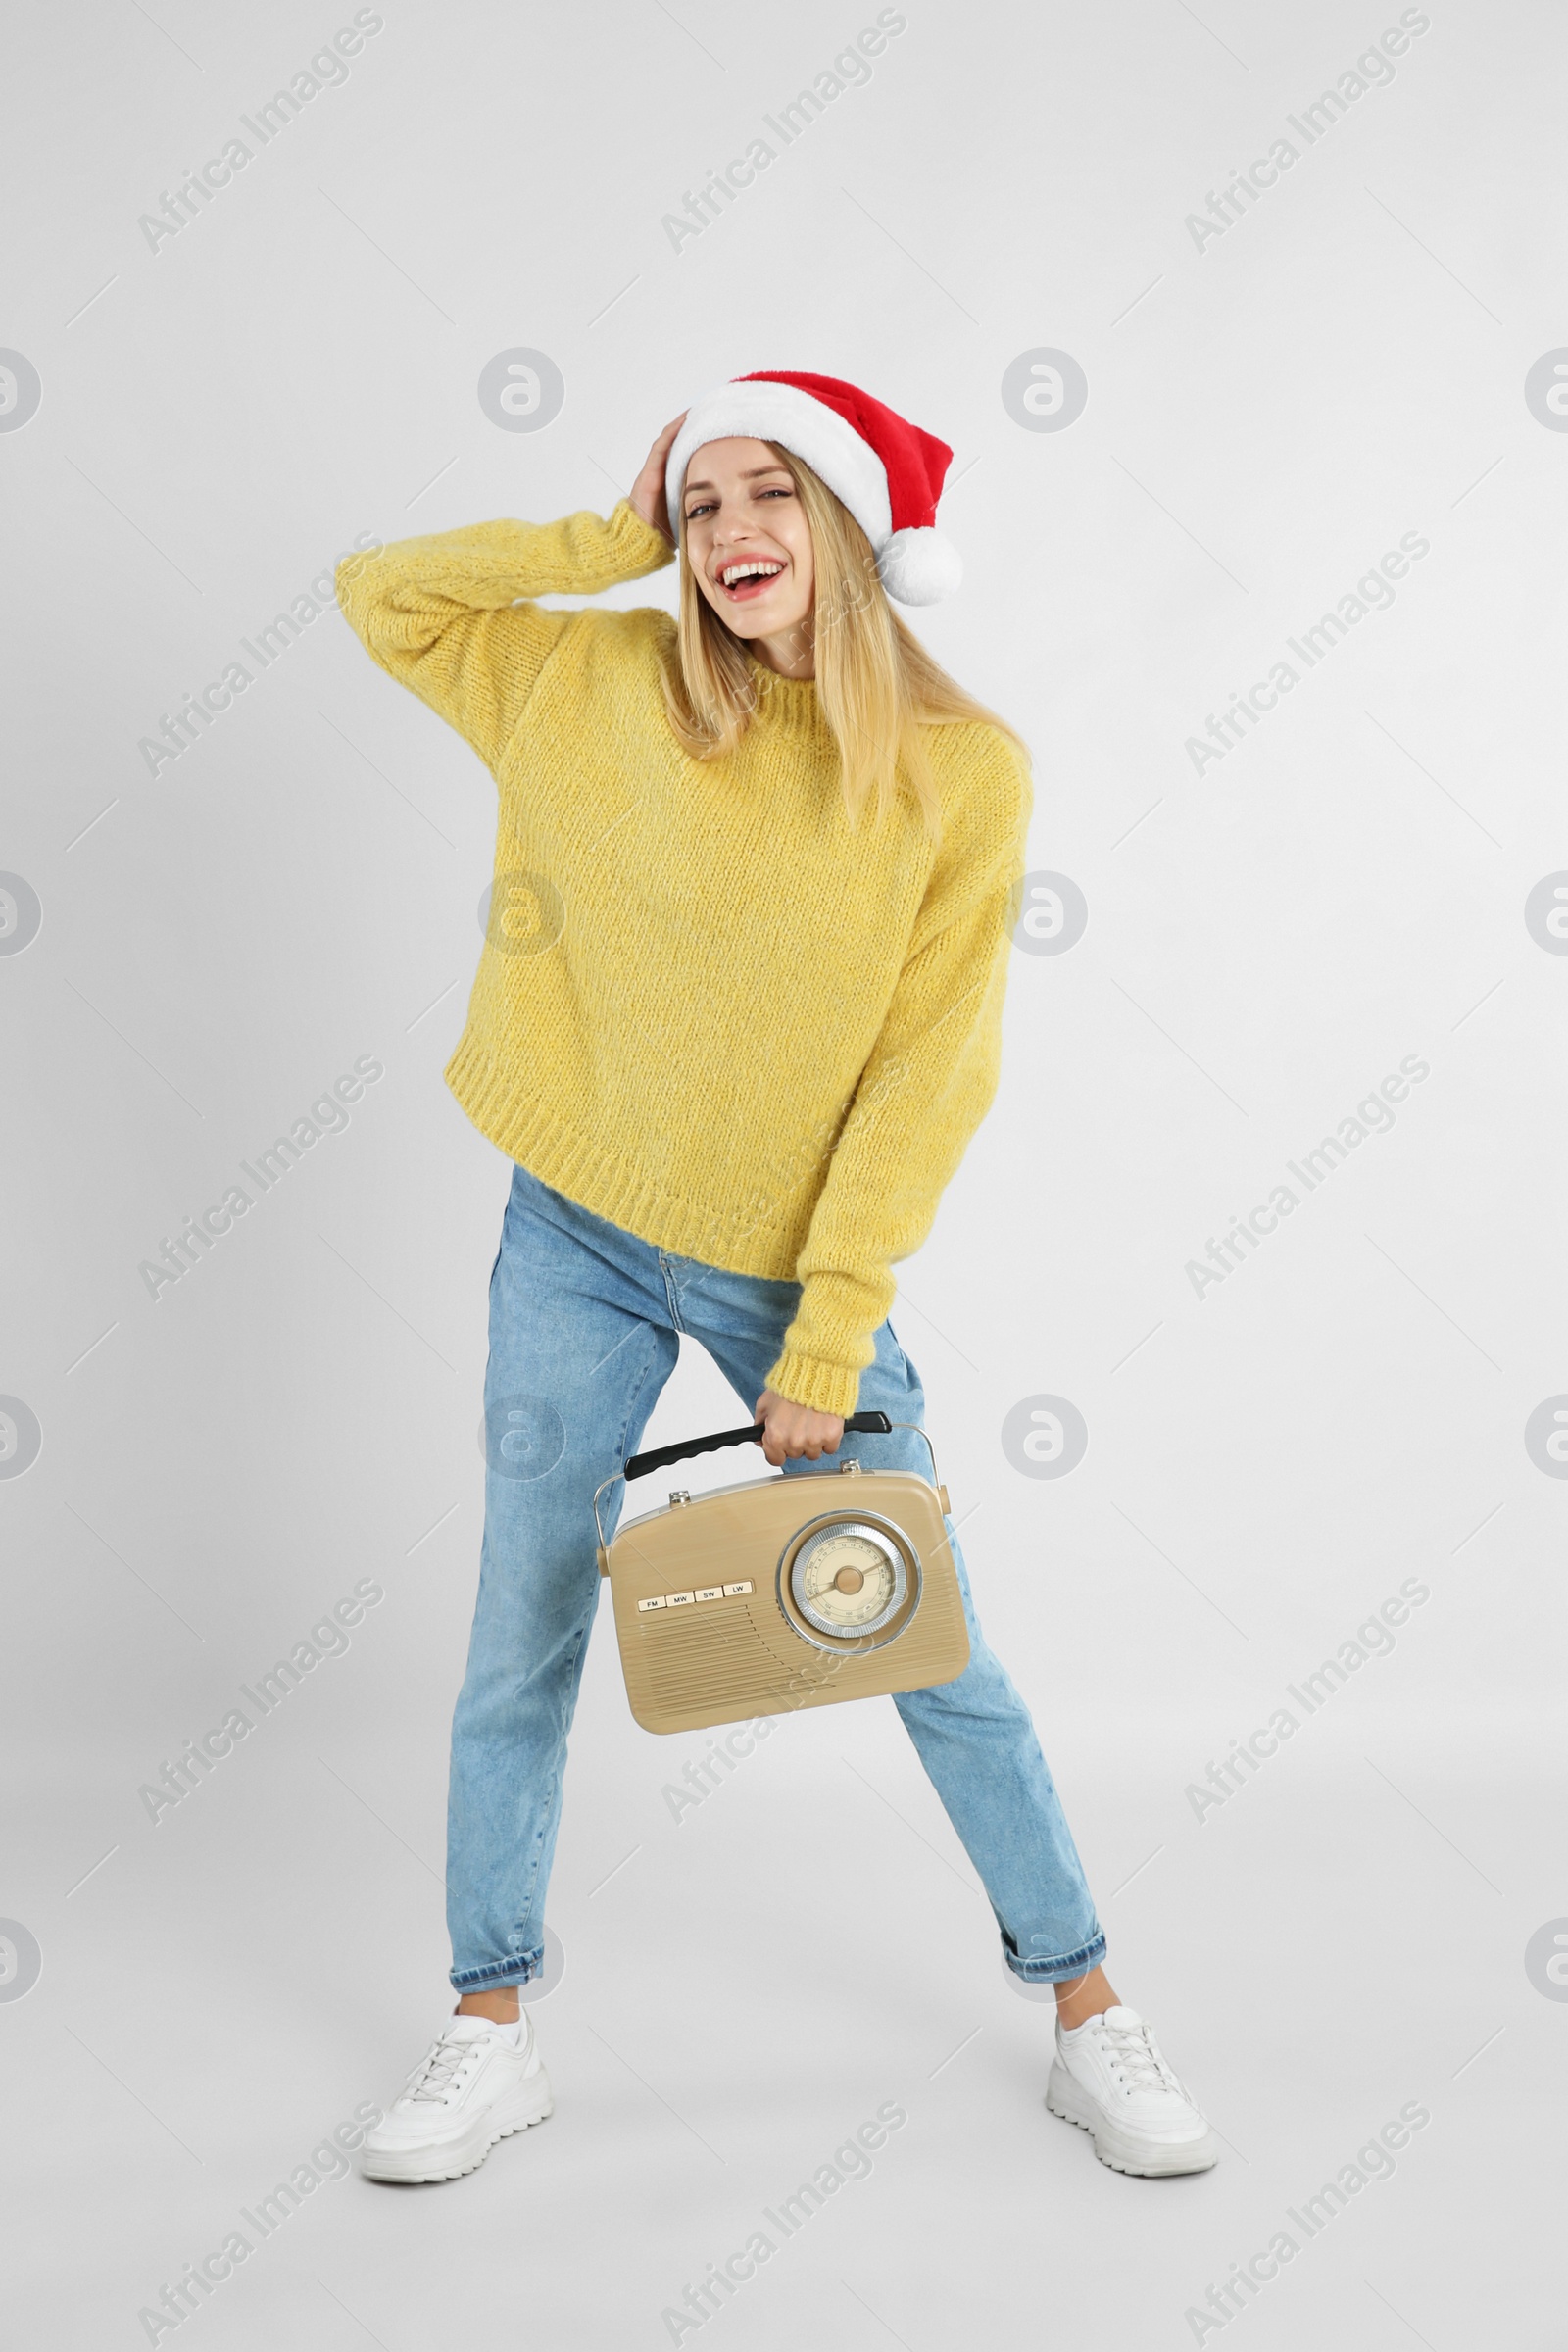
pixel 470 2090
pixel 1110 2075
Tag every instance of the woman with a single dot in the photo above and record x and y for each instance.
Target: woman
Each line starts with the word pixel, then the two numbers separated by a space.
pixel 737 1016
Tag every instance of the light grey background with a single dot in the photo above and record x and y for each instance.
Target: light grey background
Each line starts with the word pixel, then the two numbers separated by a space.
pixel 1266 1463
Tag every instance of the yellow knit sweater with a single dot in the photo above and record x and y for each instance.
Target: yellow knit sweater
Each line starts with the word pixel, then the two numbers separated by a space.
pixel 705 1009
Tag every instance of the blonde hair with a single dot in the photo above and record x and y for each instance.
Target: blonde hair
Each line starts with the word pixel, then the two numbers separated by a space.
pixel 877 685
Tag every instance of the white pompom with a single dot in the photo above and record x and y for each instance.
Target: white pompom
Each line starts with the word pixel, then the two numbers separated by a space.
pixel 919 567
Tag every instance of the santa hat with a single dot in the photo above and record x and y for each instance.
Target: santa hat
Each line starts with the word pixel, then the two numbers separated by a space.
pixel 886 470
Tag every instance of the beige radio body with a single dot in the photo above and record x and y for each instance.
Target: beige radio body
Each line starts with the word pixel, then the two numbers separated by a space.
pixel 708 1589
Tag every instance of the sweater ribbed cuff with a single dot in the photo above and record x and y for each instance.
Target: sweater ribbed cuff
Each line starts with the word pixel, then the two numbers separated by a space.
pixel 806 1380
pixel 626 523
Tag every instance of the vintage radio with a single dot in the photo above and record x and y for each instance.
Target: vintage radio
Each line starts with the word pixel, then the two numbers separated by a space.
pixel 784 1592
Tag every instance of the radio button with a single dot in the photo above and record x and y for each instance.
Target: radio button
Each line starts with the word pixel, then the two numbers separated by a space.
pixel 680 1600
pixel 656 1602
pixel 745 1587
pixel 710 1591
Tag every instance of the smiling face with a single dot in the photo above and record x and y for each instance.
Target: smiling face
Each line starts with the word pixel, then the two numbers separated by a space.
pixel 749 544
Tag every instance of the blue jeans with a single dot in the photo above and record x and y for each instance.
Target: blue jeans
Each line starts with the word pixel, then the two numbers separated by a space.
pixel 584 1325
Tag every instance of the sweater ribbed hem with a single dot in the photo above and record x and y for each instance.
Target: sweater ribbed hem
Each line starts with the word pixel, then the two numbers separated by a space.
pixel 808 1379
pixel 608 1186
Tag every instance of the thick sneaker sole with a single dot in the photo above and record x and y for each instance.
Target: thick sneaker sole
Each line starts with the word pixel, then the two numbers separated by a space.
pixel 1124 2151
pixel 530 2103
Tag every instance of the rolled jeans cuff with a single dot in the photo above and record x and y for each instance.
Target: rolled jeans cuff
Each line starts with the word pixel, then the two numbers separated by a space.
pixel 1056 1971
pixel 501 1973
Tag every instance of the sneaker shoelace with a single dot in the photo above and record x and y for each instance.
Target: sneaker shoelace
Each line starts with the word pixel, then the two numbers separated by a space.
pixel 1134 2059
pixel 435 2076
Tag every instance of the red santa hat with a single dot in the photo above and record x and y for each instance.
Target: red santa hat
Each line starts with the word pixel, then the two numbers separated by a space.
pixel 887 471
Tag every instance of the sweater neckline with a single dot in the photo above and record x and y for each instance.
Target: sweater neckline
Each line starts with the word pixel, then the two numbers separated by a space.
pixel 786 706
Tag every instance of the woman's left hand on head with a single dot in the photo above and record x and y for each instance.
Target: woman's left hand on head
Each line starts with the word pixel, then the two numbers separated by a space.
pixel 647 493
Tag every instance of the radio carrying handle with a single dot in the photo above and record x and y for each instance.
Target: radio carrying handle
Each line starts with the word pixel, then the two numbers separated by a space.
pixel 867 1424
pixel 870 1424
